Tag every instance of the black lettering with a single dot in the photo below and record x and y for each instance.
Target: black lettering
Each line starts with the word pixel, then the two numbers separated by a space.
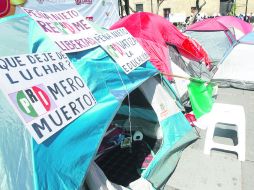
pixel 65 113
pixel 10 79
pixel 78 100
pixel 56 68
pixel 125 68
pixel 62 66
pixel 47 69
pixel 60 122
pixel 31 59
pixel 31 95
pixel 42 126
pixel 70 82
pixel 55 91
pixel 64 87
pixel 51 57
pixel 45 57
pixel 87 100
pixel 28 77
pixel 36 72
pixel 74 108
pixel 79 82
pixel 38 58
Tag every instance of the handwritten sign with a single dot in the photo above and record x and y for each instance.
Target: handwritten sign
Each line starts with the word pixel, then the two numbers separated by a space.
pixel 45 90
pixel 123 48
pixel 68 29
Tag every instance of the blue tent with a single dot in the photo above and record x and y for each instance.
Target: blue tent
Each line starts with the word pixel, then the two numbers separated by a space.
pixel 62 161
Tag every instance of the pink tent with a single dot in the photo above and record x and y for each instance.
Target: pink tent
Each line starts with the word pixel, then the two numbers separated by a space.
pixel 154 33
pixel 210 24
pixel 237 24
pixel 240 27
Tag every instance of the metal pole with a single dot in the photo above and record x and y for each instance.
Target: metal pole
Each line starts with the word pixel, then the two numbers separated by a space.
pixel 151 6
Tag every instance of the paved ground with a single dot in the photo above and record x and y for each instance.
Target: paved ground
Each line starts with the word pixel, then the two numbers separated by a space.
pixel 221 170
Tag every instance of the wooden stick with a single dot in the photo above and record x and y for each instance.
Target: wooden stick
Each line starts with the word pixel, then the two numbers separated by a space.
pixel 188 78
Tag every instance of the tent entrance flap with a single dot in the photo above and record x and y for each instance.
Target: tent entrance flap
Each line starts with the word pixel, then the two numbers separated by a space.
pixel 164 130
pixel 121 164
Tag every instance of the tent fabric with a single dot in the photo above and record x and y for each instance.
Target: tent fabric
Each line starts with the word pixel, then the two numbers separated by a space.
pixel 235 23
pixel 223 23
pixel 248 38
pixel 217 35
pixel 216 43
pixel 236 70
pixel 61 162
pixel 210 24
pixel 155 33
pixel 72 167
pixel 16 162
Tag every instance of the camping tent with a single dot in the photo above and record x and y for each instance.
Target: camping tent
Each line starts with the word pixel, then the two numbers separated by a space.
pixel 214 36
pixel 236 25
pixel 155 34
pixel 236 70
pixel 62 161
pixel 170 51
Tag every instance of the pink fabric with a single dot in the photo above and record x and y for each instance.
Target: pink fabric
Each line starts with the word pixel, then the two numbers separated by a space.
pixel 221 23
pixel 230 21
pixel 154 33
pixel 210 24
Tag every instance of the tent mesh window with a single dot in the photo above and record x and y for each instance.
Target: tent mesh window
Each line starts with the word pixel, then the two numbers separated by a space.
pixel 124 165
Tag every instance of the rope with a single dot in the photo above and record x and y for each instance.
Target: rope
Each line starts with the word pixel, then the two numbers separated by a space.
pixel 129 105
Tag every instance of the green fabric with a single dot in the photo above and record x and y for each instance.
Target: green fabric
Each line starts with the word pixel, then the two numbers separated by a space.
pixel 200 94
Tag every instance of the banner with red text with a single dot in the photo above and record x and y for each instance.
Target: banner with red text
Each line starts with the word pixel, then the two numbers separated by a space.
pixel 103 12
pixel 123 48
pixel 68 29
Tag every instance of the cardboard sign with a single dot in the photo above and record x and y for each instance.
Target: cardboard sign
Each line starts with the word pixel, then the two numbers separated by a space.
pixel 45 90
pixel 123 48
pixel 68 29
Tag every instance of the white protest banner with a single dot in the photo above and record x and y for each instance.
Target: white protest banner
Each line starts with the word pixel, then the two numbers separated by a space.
pixel 68 29
pixel 123 48
pixel 102 12
pixel 45 90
